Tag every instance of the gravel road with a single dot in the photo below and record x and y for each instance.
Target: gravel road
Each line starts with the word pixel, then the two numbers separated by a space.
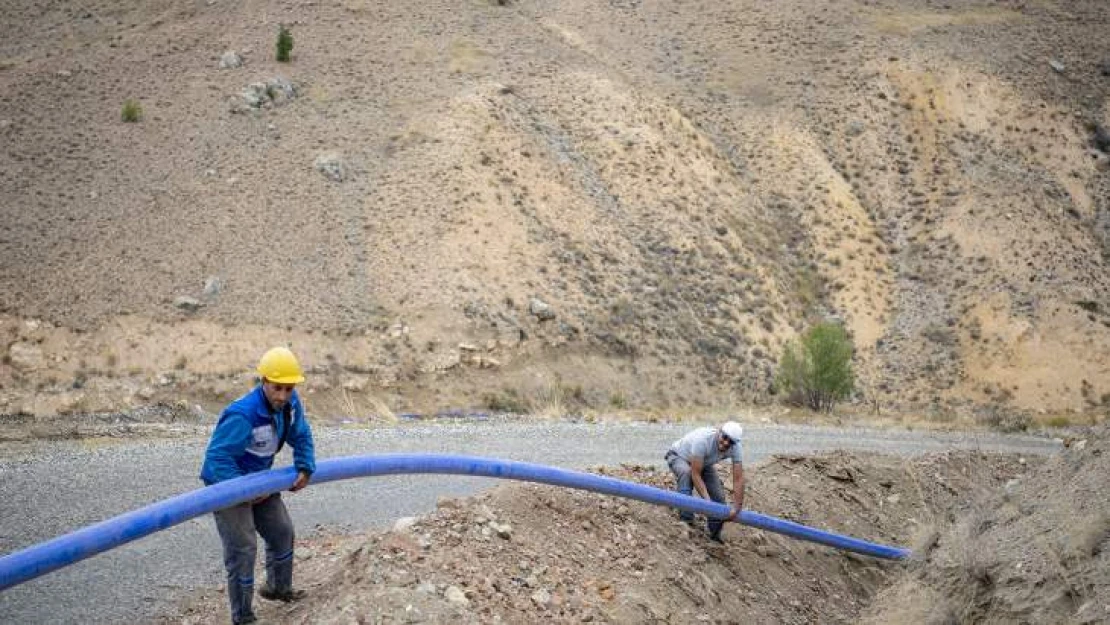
pixel 48 489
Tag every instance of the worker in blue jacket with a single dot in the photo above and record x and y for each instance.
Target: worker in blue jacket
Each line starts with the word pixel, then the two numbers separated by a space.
pixel 250 432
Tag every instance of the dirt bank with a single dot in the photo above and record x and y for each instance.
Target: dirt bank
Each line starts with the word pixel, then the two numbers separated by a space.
pixel 995 538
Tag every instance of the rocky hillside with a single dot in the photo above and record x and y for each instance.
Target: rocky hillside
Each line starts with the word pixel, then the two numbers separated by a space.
pixel 554 205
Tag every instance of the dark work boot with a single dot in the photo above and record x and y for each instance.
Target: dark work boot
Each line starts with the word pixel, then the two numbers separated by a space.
pixel 715 528
pixel 288 596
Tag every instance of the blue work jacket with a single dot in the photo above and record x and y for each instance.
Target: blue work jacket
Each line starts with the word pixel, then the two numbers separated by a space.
pixel 248 436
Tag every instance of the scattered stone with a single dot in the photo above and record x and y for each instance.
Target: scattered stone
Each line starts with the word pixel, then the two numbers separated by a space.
pixel 274 92
pixel 187 304
pixel 231 60
pixel 280 90
pixel 456 596
pixel 25 356
pixel 330 164
pixel 255 95
pixel 212 286
pixel 503 530
pixel 404 524
pixel 540 309
pixel 1102 138
pixel 541 598
pixel 1057 66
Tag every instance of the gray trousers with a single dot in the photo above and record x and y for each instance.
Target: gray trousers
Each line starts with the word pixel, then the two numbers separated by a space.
pixel 684 484
pixel 237 526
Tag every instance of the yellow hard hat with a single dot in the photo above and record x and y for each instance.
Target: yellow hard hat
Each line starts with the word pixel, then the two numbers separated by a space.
pixel 281 366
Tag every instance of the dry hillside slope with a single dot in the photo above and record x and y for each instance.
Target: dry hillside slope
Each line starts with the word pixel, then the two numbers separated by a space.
pixel 558 204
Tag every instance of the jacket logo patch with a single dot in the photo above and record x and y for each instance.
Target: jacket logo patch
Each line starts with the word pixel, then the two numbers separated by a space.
pixel 263 441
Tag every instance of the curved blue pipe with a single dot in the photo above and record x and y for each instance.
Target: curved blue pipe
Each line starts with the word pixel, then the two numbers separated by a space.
pixel 40 559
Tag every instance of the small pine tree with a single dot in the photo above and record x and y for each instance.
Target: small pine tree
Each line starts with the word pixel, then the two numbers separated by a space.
pixel 816 370
pixel 131 111
pixel 284 44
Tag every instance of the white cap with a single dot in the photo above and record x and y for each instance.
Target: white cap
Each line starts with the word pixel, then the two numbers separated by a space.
pixel 732 430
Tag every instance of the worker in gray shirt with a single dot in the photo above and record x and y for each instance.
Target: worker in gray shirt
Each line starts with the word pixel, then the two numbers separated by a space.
pixel 692 459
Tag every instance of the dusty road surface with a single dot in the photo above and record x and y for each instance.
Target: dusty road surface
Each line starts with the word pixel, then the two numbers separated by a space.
pixel 52 488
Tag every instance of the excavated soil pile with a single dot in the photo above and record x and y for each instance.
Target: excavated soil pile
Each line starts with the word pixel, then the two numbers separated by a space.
pixel 1034 551
pixel 995 538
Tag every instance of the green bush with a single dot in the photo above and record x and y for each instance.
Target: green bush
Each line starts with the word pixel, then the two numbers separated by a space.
pixel 1058 421
pixel 816 370
pixel 131 111
pixel 284 44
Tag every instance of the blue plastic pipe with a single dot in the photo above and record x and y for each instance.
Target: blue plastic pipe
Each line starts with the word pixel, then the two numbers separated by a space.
pixel 40 559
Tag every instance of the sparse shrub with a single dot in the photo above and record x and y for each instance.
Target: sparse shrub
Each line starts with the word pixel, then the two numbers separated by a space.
pixel 506 401
pixel 1058 421
pixel 1003 418
pixel 940 334
pixel 284 44
pixel 1088 538
pixel 131 112
pixel 816 370
pixel 560 399
pixel 618 400
pixel 1087 305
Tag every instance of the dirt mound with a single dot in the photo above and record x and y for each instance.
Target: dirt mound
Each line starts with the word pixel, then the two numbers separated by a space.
pixel 988 534
pixel 1034 551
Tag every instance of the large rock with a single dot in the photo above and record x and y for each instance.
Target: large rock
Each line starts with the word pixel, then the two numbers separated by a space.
pixel 455 595
pixel 274 92
pixel 212 286
pixel 231 60
pixel 1102 138
pixel 187 304
pixel 25 356
pixel 540 309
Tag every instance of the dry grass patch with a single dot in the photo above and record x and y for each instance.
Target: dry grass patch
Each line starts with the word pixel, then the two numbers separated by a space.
pixel 906 23
pixel 466 57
